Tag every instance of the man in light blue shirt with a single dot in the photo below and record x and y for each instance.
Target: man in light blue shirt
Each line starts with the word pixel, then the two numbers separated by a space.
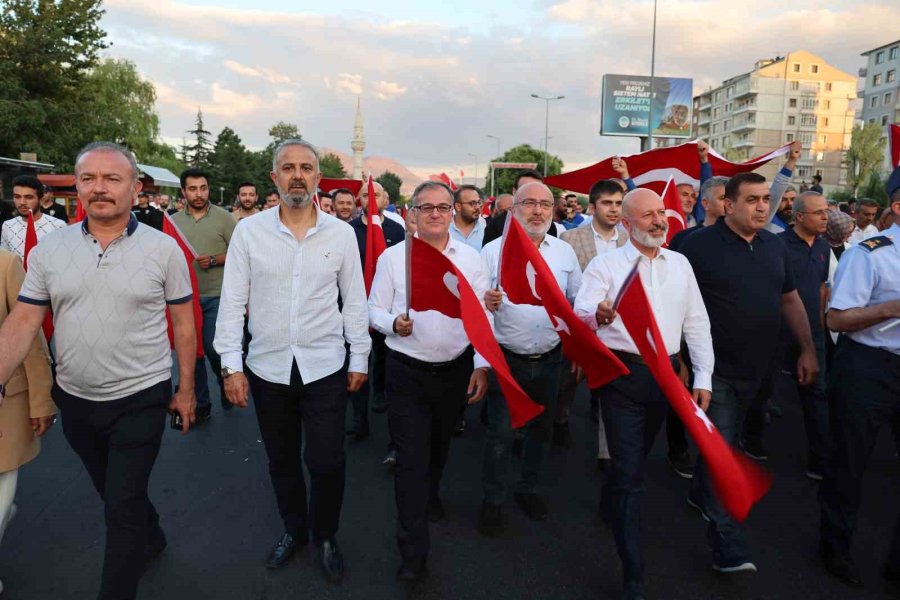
pixel 467 225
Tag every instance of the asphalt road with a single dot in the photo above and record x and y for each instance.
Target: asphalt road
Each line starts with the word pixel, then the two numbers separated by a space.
pixel 212 491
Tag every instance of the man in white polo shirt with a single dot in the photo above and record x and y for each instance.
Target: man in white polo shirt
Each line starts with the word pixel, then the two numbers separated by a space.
pixel 110 281
pixel 27 192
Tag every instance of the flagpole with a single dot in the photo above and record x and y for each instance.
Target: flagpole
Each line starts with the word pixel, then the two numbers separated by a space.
pixel 509 216
pixel 409 244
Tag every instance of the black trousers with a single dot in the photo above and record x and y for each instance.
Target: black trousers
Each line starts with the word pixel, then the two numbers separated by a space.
pixel 864 395
pixel 285 414
pixel 422 412
pixel 118 442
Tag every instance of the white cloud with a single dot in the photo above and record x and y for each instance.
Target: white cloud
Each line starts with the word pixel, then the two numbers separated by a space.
pixel 386 90
pixel 350 82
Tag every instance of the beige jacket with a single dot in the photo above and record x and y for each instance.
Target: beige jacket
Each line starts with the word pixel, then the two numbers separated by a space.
pixel 582 240
pixel 28 390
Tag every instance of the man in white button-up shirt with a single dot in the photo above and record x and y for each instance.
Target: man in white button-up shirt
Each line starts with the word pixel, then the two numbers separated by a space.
pixel 287 266
pixel 532 349
pixel 633 406
pixel 430 373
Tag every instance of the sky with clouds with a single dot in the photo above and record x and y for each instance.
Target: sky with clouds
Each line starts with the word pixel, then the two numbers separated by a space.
pixel 437 78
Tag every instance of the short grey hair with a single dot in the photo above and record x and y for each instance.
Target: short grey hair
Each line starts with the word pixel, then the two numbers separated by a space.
pixel 709 184
pixel 519 194
pixel 790 188
pixel 293 142
pixel 429 185
pixel 110 147
pixel 801 200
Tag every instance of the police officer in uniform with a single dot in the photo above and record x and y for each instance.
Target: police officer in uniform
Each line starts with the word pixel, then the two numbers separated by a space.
pixel 865 385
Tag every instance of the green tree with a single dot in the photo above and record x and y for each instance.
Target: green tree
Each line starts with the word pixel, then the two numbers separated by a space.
pixel 330 165
pixel 391 183
pixel 523 153
pixel 230 164
pixel 198 153
pixel 46 51
pixel 281 131
pixel 865 155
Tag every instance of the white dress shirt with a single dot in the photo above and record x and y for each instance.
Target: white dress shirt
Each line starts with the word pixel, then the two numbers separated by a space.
pixel 435 337
pixel 859 235
pixel 602 244
pixel 290 289
pixel 525 328
pixel 673 294
pixel 395 217
pixel 12 236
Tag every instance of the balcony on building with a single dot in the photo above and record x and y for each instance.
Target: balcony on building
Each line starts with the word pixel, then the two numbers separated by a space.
pixel 746 88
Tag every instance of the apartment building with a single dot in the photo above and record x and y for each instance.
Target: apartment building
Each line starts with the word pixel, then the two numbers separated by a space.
pixel 880 91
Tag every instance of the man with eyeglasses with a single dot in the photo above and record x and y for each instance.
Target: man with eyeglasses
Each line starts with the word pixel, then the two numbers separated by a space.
pixel 532 349
pixel 467 225
pixel 809 256
pixel 431 370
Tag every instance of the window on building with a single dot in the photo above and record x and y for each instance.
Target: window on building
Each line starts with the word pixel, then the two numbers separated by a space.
pixel 729 91
pixel 806 139
pixel 810 103
pixel 887 99
pixel 884 119
pixel 803 172
pixel 813 68
pixel 715 128
pixel 823 139
pixel 718 96
pixel 820 156
pixel 726 125
pixel 826 104
pixel 792 120
pixel 795 85
pixel 828 86
pixel 895 52
pixel 796 67
pixel 825 122
pixel 714 144
pixel 876 79
pixel 808 120
pixel 872 121
pixel 716 113
pixel 891 76
pixel 873 101
pixel 789 138
pixel 792 103
pixel 879 57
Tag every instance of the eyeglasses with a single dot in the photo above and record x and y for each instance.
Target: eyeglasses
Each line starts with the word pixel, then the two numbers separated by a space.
pixel 531 204
pixel 472 203
pixel 430 208
pixel 818 213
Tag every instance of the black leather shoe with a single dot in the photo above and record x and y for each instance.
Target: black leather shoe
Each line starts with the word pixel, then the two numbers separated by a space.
pixel 360 432
pixel 842 567
pixel 435 509
pixel 562 436
pixel 634 590
pixel 412 569
pixel 490 520
pixel 283 551
pixel 534 507
pixel 331 560
pixel 460 427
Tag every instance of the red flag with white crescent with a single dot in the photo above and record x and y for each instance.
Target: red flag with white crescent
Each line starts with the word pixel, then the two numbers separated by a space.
pixel 31 241
pixel 436 284
pixel 375 243
pixel 190 255
pixel 739 483
pixel 894 143
pixel 674 210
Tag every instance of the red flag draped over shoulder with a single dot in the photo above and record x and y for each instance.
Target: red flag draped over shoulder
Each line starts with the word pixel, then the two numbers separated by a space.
pixel 894 143
pixel 190 255
pixel 674 210
pixel 527 279
pixel 30 242
pixel 436 284
pixel 652 169
pixel 375 243
pixel 738 482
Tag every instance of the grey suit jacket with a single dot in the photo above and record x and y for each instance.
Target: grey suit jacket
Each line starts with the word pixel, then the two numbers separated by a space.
pixel 582 240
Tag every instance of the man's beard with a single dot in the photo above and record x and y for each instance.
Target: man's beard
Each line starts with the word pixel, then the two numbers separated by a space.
pixel 297 200
pixel 645 239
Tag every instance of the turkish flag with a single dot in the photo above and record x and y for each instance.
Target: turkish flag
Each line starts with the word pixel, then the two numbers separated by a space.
pixel 652 169
pixel 738 482
pixel 674 210
pixel 527 279
pixel 30 242
pixel 894 143
pixel 190 255
pixel 436 284
pixel 327 184
pixel 375 243
pixel 445 179
pixel 79 211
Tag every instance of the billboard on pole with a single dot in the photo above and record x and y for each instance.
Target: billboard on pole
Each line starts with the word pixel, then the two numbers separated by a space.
pixel 626 99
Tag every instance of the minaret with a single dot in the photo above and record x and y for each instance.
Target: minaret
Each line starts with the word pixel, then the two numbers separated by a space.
pixel 358 144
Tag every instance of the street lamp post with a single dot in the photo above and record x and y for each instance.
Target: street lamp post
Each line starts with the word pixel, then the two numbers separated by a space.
pixel 649 138
pixel 476 168
pixel 546 123
pixel 493 170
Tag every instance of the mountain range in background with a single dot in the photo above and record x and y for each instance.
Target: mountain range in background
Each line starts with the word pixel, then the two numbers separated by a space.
pixel 377 165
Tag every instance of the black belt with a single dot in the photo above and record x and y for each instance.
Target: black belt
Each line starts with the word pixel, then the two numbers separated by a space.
pixel 534 357
pixel 432 367
pixel 635 358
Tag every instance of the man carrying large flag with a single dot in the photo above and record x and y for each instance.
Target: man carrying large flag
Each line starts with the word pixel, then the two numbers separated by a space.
pixel 633 406
pixel 431 369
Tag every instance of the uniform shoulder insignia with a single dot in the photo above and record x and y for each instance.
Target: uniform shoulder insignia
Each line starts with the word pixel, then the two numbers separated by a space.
pixel 875 243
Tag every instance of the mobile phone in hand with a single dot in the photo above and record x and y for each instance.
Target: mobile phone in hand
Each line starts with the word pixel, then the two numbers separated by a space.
pixel 176 421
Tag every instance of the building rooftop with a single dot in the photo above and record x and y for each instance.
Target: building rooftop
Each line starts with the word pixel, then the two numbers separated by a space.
pixel 868 52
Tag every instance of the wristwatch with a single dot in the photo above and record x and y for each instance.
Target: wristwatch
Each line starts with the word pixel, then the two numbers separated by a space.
pixel 212 261
pixel 228 372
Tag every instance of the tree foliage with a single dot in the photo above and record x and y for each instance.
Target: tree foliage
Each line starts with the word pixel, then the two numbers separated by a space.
pixel 331 166
pixel 866 154
pixel 391 183
pixel 527 154
pixel 230 165
pixel 198 153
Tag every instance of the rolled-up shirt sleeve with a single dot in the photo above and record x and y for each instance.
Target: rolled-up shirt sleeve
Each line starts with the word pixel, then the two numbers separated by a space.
pixel 697 334
pixel 595 284
pixel 355 315
pixel 233 301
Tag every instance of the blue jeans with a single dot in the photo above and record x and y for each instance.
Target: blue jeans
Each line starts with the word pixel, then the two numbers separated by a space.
pixel 210 307
pixel 730 399
pixel 540 380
